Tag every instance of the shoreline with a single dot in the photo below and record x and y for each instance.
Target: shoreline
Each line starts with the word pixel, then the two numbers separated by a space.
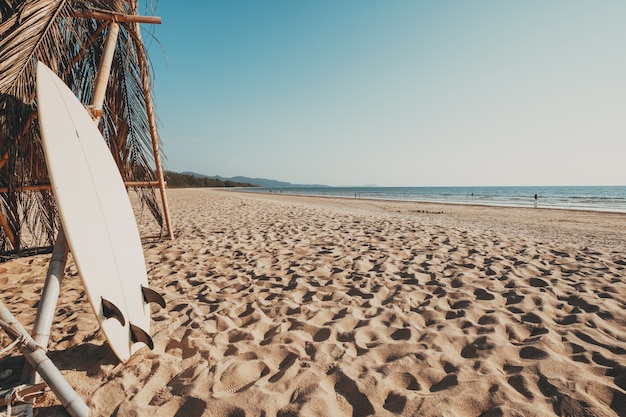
pixel 305 306
pixel 607 229
pixel 443 203
pixel 530 204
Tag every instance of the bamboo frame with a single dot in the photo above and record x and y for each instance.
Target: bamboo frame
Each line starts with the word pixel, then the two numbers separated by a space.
pixel 114 19
pixel 97 112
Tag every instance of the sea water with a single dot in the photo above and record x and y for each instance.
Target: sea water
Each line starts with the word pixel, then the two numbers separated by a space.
pixel 593 198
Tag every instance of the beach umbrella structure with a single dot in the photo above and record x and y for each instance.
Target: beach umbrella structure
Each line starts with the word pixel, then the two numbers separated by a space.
pixel 72 38
pixel 96 48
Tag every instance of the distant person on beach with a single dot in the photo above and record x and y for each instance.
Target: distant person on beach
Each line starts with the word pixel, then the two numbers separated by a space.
pixel 536 200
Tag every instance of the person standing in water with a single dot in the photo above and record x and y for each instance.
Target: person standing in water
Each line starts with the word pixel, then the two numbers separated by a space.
pixel 536 200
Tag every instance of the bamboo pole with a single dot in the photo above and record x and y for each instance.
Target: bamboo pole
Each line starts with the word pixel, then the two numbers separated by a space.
pixel 118 17
pixel 153 184
pixel 104 71
pixel 7 229
pixel 43 187
pixel 145 79
pixel 9 319
pixel 51 289
pixel 38 359
pixel 49 299
pixel 3 220
pixel 36 187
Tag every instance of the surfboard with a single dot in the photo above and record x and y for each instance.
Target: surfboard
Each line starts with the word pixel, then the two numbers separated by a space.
pixel 96 215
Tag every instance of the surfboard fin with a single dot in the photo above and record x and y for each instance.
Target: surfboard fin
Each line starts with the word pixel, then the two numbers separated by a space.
pixel 151 296
pixel 110 310
pixel 137 334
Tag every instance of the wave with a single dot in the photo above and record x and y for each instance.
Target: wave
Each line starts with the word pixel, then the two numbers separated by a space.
pixel 591 198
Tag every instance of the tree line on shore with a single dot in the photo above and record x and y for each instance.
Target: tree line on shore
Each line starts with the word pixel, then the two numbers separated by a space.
pixel 178 180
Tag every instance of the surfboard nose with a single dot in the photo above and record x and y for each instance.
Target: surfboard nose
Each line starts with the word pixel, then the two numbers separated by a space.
pixel 40 69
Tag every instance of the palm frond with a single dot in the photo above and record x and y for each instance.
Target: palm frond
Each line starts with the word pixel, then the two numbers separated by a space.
pixel 50 31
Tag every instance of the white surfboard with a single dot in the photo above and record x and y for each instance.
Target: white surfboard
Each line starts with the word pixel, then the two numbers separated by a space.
pixel 96 215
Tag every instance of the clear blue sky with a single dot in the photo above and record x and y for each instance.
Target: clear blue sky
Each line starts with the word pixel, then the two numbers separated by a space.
pixel 400 92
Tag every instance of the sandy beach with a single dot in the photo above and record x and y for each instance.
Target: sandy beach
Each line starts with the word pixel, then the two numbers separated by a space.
pixel 288 306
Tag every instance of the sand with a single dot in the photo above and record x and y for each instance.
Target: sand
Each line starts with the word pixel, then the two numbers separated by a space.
pixel 293 306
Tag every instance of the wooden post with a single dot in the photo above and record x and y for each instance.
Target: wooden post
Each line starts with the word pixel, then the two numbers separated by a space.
pixel 104 71
pixel 145 79
pixel 7 229
pixel 3 220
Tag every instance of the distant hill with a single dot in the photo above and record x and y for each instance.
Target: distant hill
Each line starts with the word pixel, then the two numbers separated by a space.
pixel 259 182
pixel 189 180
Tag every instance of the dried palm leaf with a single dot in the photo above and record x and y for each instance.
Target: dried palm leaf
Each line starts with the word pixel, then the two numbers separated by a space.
pixel 50 31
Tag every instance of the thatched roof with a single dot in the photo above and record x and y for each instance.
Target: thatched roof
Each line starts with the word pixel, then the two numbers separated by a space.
pixel 52 32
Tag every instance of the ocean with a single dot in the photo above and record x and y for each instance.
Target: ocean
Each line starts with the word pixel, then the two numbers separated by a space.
pixel 591 198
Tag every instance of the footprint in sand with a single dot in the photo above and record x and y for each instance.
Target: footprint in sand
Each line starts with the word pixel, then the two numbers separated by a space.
pixel 395 403
pixel 401 334
pixel 448 381
pixel 519 383
pixel 531 352
pixel 406 381
pixel 349 389
pixel 286 363
pixel 239 376
pixel 484 295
